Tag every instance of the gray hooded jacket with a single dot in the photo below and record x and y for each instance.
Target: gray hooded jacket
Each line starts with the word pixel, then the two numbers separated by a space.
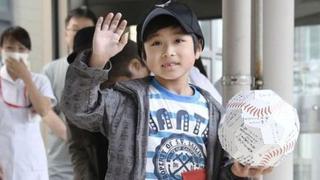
pixel 122 114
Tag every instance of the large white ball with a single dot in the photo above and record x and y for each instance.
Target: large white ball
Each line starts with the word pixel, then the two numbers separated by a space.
pixel 259 128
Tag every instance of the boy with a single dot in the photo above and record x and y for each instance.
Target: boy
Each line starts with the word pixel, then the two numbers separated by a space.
pixel 159 127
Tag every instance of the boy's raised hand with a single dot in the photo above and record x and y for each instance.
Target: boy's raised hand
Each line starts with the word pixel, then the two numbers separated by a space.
pixel 108 39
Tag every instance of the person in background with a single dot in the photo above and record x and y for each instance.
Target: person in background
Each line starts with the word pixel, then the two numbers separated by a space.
pixel 159 127
pixel 126 65
pixel 59 162
pixel 23 96
pixel 197 76
pixel 199 65
pixel 88 149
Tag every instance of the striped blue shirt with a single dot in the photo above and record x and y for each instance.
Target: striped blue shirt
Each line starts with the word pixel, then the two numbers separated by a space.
pixel 178 128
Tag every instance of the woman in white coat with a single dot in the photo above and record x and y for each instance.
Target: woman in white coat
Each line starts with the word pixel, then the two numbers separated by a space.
pixel 23 96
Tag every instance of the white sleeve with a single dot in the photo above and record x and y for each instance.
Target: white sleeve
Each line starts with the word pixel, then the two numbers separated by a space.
pixel 45 88
pixel 203 82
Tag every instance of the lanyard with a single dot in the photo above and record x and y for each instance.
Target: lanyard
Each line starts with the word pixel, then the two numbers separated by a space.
pixel 10 104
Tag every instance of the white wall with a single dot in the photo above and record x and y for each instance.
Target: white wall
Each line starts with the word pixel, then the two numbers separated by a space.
pixel 63 12
pixel 35 17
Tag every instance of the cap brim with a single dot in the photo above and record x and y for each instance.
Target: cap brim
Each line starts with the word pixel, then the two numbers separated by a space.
pixel 158 12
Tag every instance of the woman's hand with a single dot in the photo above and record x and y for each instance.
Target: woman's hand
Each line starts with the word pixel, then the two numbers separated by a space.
pixel 249 171
pixel 18 69
pixel 108 39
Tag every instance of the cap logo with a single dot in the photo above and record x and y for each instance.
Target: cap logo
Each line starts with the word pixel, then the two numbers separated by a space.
pixel 164 4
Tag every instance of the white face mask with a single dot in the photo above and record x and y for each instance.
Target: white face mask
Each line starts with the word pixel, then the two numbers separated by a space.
pixel 17 56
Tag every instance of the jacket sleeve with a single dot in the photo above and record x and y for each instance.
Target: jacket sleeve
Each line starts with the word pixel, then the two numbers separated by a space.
pixel 82 102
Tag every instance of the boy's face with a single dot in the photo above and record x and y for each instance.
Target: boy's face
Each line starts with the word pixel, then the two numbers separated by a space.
pixel 170 54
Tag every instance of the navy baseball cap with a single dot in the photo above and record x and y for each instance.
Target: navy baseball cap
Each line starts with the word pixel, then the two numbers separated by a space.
pixel 181 12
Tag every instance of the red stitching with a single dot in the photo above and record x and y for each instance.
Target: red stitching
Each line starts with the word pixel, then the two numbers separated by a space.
pixel 251 109
pixel 246 107
pixel 255 111
pixel 269 109
pixel 278 152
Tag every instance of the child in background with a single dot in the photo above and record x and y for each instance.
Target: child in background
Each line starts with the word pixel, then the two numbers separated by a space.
pixel 88 149
pixel 23 95
pixel 159 127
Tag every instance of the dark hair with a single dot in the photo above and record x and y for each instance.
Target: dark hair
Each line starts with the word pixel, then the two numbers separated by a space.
pixel 161 22
pixel 19 34
pixel 82 41
pixel 81 12
pixel 120 62
pixel 198 63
